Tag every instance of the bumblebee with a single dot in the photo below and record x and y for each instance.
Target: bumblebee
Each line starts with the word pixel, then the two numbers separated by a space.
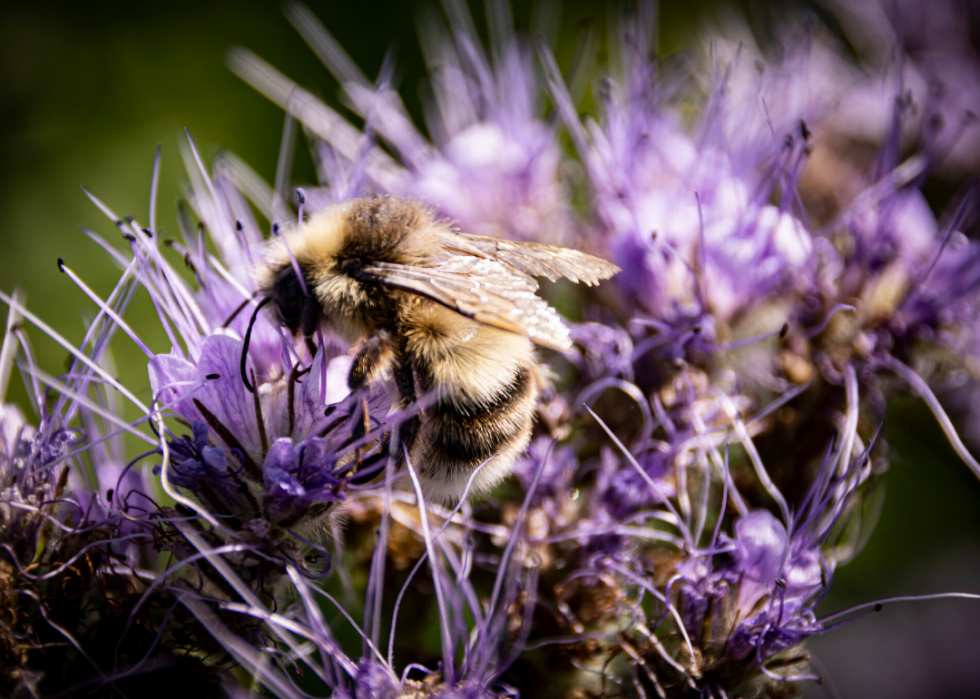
pixel 445 314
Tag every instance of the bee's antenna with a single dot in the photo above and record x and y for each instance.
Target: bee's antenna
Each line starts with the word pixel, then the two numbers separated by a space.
pixel 248 338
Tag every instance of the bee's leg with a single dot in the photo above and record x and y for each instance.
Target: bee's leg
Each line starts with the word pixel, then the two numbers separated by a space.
pixel 364 426
pixel 368 468
pixel 310 321
pixel 405 381
pixel 375 358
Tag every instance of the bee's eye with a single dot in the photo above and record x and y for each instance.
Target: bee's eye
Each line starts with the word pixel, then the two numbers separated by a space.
pixel 288 296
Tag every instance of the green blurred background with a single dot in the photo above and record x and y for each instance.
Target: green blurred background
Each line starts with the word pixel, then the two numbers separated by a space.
pixel 87 91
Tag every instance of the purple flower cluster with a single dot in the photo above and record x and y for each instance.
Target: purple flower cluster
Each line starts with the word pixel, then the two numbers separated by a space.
pixel 701 219
pixel 657 535
pixel 80 536
pixel 493 160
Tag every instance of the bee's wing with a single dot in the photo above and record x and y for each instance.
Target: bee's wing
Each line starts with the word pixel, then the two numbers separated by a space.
pixel 482 289
pixel 533 259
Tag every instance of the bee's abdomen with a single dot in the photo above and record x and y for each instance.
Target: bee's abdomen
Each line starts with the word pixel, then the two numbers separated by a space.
pixel 486 380
pixel 471 431
pixel 456 436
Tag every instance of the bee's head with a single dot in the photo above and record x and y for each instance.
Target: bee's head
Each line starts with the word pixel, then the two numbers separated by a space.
pixel 288 298
pixel 292 306
pixel 330 250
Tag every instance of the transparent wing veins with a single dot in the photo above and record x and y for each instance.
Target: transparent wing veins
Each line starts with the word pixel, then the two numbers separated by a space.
pixel 483 289
pixel 534 259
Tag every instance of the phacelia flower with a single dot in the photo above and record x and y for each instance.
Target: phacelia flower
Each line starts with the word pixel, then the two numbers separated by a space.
pixel 689 213
pixel 493 164
pixel 76 536
pixel 700 455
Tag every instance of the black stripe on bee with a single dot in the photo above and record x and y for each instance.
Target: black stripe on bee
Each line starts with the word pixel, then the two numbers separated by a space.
pixel 473 432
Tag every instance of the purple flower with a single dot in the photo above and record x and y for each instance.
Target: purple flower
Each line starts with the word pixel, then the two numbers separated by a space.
pixel 788 573
pixel 888 276
pixel 624 492
pixel 764 598
pixel 210 392
pixel 73 524
pixel 936 75
pixel 297 475
pixel 493 163
pixel 687 213
pixel 221 345
pixel 605 351
pixel 559 467
pixel 678 561
pixel 889 282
